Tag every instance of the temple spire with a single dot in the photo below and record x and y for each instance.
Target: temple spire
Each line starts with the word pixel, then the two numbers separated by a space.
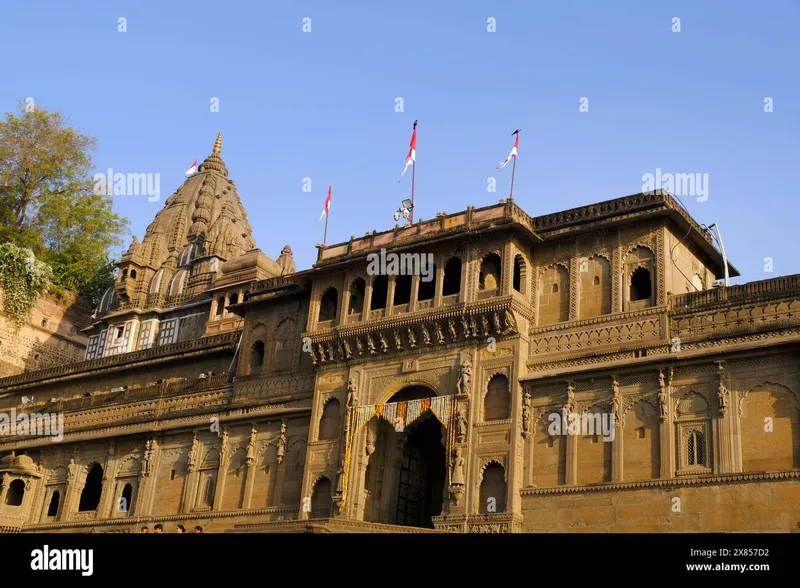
pixel 218 144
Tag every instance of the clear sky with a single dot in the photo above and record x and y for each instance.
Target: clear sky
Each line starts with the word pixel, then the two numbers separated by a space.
pixel 322 105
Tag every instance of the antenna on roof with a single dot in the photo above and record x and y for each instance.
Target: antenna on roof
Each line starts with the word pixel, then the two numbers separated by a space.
pixel 722 249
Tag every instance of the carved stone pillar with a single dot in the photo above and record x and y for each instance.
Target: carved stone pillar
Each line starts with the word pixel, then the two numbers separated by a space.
pixel 250 470
pixel 437 296
pixel 104 509
pixel 574 288
pixel 726 437
pixel 616 279
pixel 222 471
pixel 665 429
pixel 617 461
pixel 390 295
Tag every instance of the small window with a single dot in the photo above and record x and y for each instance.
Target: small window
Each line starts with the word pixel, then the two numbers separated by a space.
pixel 120 332
pixel 52 509
pixel 555 288
pixel 452 277
pixel 549 441
pixel 220 305
pixel 641 432
pixel 256 357
pixel 695 449
pixel 15 493
pixel 597 280
pixel 172 475
pixel 328 304
pixel 380 289
pixel 402 290
pixel 640 285
pixel 133 274
pixel 126 497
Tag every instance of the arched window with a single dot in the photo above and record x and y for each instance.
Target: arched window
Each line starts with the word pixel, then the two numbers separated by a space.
pixel 497 402
pixel 125 498
pixel 695 449
pixel 520 276
pixel 207 496
pixel 595 286
pixel 489 278
pixel 380 289
pixel 52 509
pixel 452 277
pixel 493 489
pixel 124 275
pixel 330 420
pixel 15 493
pixel 402 290
pixel 283 356
pixel 357 292
pixel 256 357
pixel 553 306
pixel 321 499
pixel 233 298
pixel 90 496
pixel 641 288
pixel 427 290
pixel 133 274
pixel 220 306
pixel 328 304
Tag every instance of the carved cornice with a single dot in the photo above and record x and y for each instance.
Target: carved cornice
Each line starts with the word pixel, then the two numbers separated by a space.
pixel 456 325
pixel 668 483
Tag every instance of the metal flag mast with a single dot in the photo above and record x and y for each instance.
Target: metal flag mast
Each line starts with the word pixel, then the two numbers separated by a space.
pixel 413 173
pixel 514 165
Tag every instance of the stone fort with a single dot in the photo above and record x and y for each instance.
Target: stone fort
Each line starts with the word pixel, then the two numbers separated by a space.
pixel 219 387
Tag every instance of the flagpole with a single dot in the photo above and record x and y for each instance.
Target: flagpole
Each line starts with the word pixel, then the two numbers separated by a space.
pixel 325 236
pixel 513 171
pixel 413 177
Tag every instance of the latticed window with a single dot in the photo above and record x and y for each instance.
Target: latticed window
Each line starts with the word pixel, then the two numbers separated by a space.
pixel 168 329
pixel 91 350
pixel 695 449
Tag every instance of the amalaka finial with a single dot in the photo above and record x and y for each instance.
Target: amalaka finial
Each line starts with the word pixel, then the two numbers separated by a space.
pixel 218 144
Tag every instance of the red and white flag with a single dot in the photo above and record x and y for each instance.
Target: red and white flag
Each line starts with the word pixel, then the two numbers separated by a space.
pixel 411 158
pixel 513 153
pixel 192 169
pixel 327 206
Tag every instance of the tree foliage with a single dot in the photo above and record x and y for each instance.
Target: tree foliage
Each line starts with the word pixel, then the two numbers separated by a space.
pixel 47 203
pixel 24 278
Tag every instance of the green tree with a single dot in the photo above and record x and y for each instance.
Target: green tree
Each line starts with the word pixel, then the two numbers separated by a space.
pixel 47 201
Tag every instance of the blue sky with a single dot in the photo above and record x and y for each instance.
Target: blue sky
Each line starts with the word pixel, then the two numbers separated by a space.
pixel 321 105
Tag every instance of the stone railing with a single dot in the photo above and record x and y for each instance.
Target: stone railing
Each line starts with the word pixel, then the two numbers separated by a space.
pixel 772 289
pixel 123 358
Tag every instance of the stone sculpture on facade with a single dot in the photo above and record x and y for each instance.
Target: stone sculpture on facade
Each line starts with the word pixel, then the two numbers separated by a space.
pixel 461 425
pixel 282 443
pixel 722 390
pixel 464 384
pixel 663 406
pixel 526 414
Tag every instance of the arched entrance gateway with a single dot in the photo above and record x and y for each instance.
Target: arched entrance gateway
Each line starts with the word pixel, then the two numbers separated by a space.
pixel 406 470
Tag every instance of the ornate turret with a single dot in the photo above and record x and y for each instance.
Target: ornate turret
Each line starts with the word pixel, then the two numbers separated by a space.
pixel 286 261
pixel 205 214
